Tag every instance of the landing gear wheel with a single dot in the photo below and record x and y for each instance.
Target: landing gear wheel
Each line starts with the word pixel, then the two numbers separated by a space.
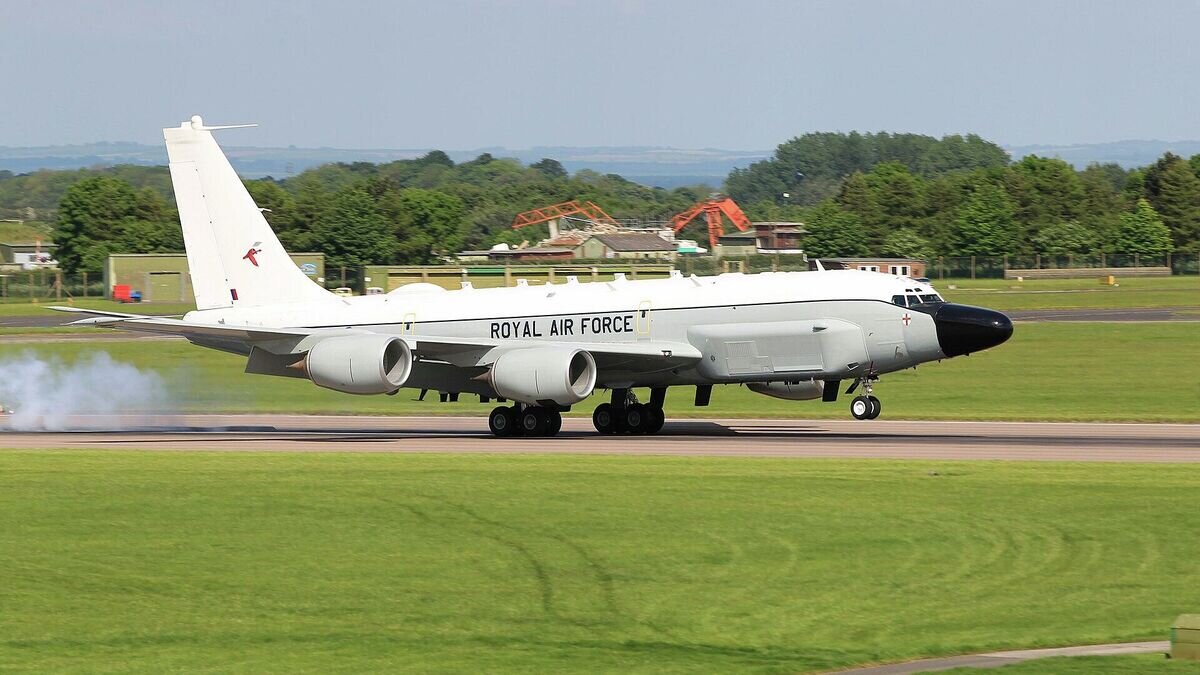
pixel 635 418
pixel 876 407
pixel 553 422
pixel 655 418
pixel 861 407
pixel 602 418
pixel 502 421
pixel 534 422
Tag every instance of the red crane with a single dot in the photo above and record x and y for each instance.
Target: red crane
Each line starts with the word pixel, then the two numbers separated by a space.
pixel 587 209
pixel 713 209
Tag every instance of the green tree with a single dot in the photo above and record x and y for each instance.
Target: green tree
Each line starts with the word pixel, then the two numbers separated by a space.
pixel 986 223
pixel 1045 192
pixel 353 232
pixel 92 211
pixel 551 168
pixel 1067 237
pixel 833 232
pixel 906 243
pixel 1173 189
pixel 898 196
pixel 1142 231
pixel 427 224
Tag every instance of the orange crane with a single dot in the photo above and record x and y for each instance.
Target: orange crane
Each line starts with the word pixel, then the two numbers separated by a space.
pixel 713 209
pixel 587 209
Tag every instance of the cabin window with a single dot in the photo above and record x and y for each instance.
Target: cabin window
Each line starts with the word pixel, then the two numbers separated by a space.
pixel 898 300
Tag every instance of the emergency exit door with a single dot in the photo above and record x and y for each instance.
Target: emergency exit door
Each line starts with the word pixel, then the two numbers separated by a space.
pixel 643 319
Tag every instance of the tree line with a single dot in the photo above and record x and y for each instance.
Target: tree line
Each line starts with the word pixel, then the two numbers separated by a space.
pixel 915 196
pixel 858 194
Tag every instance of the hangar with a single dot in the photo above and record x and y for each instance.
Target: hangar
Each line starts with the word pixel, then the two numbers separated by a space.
pixel 164 277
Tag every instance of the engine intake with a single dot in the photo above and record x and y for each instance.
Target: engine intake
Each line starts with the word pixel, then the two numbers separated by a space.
pixel 542 375
pixel 359 364
pixel 801 390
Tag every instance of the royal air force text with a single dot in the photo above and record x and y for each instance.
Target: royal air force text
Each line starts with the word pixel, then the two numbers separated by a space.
pixel 567 326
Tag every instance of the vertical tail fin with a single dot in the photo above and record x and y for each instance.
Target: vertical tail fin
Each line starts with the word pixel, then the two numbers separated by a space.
pixel 234 257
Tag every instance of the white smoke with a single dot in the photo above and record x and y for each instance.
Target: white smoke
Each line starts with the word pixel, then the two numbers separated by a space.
pixel 91 393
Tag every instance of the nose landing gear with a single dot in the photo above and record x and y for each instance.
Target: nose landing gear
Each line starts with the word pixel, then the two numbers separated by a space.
pixel 865 406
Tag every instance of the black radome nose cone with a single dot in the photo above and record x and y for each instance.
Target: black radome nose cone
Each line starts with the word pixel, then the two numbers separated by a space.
pixel 963 329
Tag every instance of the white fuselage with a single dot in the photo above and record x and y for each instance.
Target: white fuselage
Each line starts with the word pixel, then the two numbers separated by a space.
pixel 776 326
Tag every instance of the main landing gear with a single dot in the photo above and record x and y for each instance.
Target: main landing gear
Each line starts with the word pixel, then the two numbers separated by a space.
pixel 625 415
pixel 865 406
pixel 524 420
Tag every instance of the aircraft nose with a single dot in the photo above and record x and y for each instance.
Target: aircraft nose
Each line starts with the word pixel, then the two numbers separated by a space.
pixel 963 329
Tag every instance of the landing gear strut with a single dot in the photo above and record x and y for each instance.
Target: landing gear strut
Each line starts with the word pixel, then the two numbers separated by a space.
pixel 624 414
pixel 524 420
pixel 865 406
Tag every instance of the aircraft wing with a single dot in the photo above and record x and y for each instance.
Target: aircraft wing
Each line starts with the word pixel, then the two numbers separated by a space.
pixel 459 351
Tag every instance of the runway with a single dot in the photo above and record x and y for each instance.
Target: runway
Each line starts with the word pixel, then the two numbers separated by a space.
pixel 926 440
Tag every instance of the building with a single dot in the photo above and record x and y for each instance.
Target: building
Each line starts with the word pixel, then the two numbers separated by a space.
pixel 909 267
pixel 164 277
pixel 28 256
pixel 737 245
pixel 639 245
pixel 779 238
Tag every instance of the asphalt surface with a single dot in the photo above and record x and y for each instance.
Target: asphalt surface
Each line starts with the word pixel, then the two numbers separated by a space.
pixel 998 659
pixel 733 438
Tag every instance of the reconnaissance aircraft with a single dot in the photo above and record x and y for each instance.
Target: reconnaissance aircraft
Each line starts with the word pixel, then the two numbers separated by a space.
pixel 542 348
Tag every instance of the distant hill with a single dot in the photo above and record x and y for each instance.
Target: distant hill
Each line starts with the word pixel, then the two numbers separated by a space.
pixel 1128 154
pixel 653 166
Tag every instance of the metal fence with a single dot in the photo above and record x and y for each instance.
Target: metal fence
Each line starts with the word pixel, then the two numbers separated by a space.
pixel 995 267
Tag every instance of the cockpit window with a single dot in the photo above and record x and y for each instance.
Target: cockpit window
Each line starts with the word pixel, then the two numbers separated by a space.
pixel 931 297
pixel 898 300
pixel 913 300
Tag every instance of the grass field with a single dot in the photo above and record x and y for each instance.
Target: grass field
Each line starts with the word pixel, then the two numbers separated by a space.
pixel 152 562
pixel 25 232
pixel 1177 291
pixel 1048 371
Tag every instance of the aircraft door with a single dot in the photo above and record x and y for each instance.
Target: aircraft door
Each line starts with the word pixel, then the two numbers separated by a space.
pixel 643 320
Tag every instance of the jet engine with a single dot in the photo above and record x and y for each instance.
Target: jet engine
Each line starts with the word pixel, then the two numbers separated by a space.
pixel 560 375
pixel 802 390
pixel 359 364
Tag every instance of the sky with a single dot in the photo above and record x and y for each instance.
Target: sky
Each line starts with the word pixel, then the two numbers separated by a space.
pixel 464 74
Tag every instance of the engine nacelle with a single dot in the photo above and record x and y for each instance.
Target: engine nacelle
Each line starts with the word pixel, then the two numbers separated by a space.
pixel 796 390
pixel 561 375
pixel 359 364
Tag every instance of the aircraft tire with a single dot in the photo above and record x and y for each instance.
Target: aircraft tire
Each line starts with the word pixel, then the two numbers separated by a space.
pixel 553 422
pixel 502 421
pixel 635 418
pixel 861 407
pixel 534 421
pixel 655 418
pixel 602 418
pixel 876 407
